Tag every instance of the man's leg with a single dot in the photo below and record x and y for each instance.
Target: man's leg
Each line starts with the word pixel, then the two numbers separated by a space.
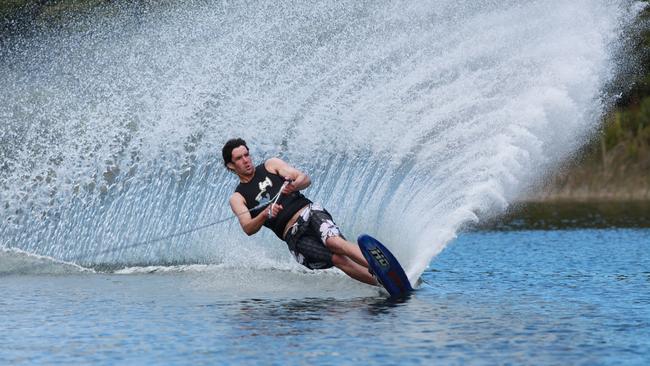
pixel 338 245
pixel 352 269
pixel 322 222
pixel 310 252
pixel 345 255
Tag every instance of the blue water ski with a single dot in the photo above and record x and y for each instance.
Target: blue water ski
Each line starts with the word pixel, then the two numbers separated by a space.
pixel 384 266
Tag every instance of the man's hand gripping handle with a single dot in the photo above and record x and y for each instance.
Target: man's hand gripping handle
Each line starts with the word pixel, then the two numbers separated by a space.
pixel 286 183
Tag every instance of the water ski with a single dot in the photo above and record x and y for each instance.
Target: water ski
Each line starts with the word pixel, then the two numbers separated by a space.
pixel 384 266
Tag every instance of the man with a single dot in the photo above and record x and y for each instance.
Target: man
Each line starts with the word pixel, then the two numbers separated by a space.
pixel 308 229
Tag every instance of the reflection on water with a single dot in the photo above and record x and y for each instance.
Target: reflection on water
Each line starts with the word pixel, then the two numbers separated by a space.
pixel 572 215
pixel 316 309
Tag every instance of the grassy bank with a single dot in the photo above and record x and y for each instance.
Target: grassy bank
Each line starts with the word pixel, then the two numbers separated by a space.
pixel 615 165
pixel 625 137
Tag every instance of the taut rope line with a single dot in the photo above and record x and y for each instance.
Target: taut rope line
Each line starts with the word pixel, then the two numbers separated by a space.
pixel 272 202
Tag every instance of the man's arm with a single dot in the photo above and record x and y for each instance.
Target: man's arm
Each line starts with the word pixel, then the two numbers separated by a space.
pixel 299 179
pixel 250 224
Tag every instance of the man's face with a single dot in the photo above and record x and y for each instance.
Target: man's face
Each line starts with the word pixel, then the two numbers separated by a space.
pixel 241 162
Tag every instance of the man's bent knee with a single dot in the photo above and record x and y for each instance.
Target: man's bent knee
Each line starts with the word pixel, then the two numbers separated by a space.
pixel 339 260
pixel 336 244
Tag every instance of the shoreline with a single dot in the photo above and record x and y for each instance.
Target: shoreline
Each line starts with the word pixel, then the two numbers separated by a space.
pixel 612 176
pixel 569 215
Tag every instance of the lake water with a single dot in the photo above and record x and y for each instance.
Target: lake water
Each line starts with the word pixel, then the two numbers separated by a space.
pixel 576 296
pixel 414 120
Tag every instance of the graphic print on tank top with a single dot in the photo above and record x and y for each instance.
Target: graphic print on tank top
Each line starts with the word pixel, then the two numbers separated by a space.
pixel 264 194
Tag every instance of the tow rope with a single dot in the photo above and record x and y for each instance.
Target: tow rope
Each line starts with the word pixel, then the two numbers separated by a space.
pixel 273 201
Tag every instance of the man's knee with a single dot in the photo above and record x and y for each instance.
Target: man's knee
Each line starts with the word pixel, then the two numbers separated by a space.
pixel 339 260
pixel 335 244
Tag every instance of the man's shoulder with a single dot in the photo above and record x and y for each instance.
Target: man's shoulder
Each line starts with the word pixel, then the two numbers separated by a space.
pixel 236 197
pixel 274 160
pixel 273 164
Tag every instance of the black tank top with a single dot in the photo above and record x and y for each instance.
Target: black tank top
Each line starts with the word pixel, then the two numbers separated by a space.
pixel 262 188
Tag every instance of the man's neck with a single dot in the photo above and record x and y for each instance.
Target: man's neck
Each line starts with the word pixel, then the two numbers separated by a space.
pixel 246 178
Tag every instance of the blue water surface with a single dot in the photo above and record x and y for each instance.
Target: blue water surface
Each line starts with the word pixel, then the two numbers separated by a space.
pixel 561 297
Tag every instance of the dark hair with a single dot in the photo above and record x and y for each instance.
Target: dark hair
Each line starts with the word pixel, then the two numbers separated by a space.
pixel 231 145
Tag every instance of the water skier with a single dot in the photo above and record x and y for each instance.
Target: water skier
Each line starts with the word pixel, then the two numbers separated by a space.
pixel 308 229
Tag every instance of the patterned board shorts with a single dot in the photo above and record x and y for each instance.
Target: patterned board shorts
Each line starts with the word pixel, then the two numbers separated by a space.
pixel 306 238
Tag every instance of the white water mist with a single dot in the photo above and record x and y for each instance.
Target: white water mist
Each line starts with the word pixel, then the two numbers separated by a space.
pixel 412 118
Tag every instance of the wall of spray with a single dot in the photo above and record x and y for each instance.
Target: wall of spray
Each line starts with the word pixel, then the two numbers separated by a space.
pixel 412 118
